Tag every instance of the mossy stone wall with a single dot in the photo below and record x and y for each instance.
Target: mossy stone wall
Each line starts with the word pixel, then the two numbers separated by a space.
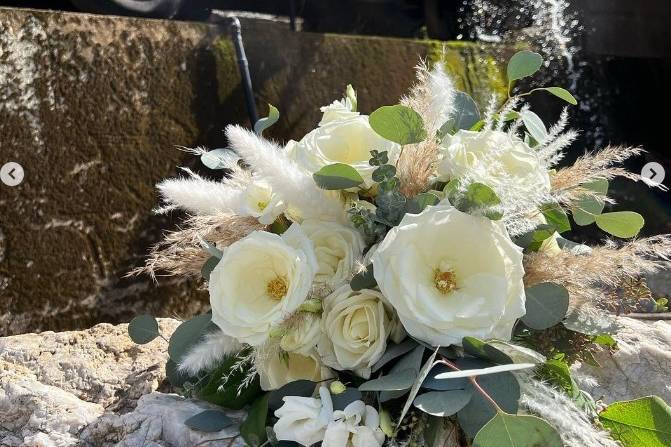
pixel 93 108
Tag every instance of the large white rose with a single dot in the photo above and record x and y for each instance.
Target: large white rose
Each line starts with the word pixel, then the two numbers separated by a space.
pixel 348 141
pixel 304 419
pixel 493 158
pixel 261 280
pixel 337 248
pixel 279 368
pixel 358 425
pixel 355 328
pixel 449 275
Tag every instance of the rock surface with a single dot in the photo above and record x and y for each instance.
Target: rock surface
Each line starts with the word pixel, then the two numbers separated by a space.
pixel 93 107
pixel 93 388
pixel 639 367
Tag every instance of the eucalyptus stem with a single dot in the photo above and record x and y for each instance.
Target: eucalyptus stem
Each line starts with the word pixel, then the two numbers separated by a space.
pixel 475 384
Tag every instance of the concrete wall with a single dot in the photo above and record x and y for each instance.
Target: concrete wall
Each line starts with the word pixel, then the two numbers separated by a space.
pixel 93 107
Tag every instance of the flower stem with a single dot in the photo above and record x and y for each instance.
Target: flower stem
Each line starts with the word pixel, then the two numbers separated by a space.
pixel 475 384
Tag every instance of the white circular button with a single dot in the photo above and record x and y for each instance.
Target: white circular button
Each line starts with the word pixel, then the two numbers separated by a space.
pixel 11 173
pixel 653 173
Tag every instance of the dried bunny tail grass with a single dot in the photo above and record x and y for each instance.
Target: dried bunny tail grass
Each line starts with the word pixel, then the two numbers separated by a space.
pixel 180 253
pixel 566 182
pixel 432 96
pixel 573 424
pixel 587 275
pixel 490 112
pixel 416 167
pixel 208 353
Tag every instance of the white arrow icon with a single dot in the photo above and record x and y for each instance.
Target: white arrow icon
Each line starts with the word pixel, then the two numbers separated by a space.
pixel 11 174
pixel 653 173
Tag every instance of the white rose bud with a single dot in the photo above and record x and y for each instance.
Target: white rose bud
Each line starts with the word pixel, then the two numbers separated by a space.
pixel 279 368
pixel 337 248
pixel 347 141
pixel 303 334
pixel 259 282
pixel 259 201
pixel 449 275
pixel 355 328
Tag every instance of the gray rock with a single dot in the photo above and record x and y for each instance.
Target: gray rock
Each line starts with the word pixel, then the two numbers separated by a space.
pixel 639 367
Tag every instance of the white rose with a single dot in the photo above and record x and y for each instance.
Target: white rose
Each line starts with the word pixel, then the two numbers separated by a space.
pixel 304 419
pixel 303 334
pixel 259 201
pixel 338 111
pixel 355 328
pixel 449 275
pixel 358 425
pixel 260 281
pixel 346 141
pixel 337 248
pixel 492 157
pixel 277 369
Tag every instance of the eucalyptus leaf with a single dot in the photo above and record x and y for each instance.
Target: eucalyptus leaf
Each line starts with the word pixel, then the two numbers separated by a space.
pixel 340 401
pixel 434 384
pixel 412 361
pixel 394 351
pixel 188 334
pixel 390 207
pixel 475 347
pixel 253 429
pixel 522 64
pixel 556 216
pixel 644 422
pixel 478 198
pixel 175 377
pixel 301 388
pixel 219 159
pixel 442 403
pixel 209 421
pixel 623 224
pixel 394 381
pixel 503 388
pixel 416 386
pixel 586 209
pixel 466 114
pixel 546 304
pixel 504 352
pixel 143 329
pixel 264 123
pixel 364 280
pixel 210 248
pixel 399 124
pixel 209 265
pixel 417 204
pixel 561 93
pixel 511 430
pixel 337 176
pixel 534 125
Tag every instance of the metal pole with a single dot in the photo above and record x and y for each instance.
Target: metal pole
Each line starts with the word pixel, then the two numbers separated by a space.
pixel 243 66
pixel 292 15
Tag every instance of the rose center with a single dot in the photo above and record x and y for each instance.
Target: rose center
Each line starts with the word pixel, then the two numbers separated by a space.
pixel 262 205
pixel 445 281
pixel 277 288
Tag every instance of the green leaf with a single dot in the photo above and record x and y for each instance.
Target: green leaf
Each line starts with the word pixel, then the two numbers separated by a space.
pixel 209 421
pixel 644 422
pixel 209 265
pixel 585 209
pixel 397 381
pixel 411 361
pixel 475 347
pixel 229 394
pixel 623 224
pixel 264 123
pixel 558 372
pixel 337 176
pixel 417 204
pixel 364 280
pixel 384 172
pixel 477 198
pixel 378 158
pixel 210 248
pixel 188 334
pixel 426 368
pixel 394 351
pixel 504 352
pixel 399 124
pixel 340 401
pixel 533 240
pixel 503 388
pixel 465 115
pixel 534 125
pixel 442 403
pixel 143 329
pixel 175 377
pixel 556 216
pixel 511 430
pixel 301 388
pixel 350 94
pixel 253 429
pixel 523 64
pixel 561 93
pixel 547 304
pixel 390 207
pixel 605 340
pixel 219 159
